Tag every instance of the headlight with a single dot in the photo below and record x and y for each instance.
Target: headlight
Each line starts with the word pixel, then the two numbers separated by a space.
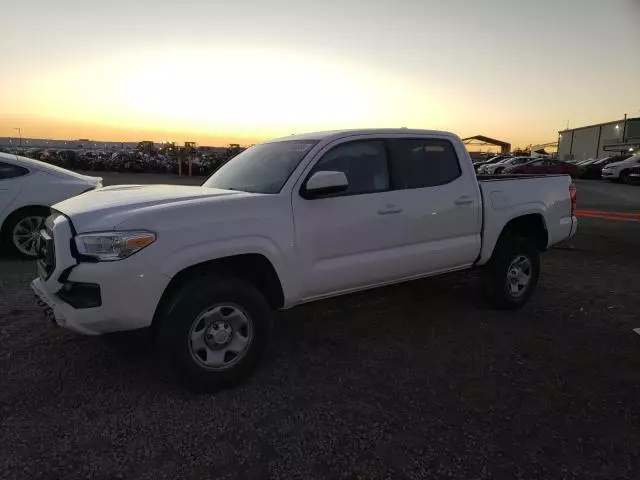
pixel 111 246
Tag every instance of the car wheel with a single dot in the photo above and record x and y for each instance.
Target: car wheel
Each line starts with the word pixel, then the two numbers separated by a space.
pixel 215 332
pixel 21 230
pixel 511 276
pixel 498 171
pixel 624 176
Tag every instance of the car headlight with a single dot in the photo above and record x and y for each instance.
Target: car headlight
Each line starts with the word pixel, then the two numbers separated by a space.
pixel 111 246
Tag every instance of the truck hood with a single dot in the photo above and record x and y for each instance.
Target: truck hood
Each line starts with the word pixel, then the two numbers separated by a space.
pixel 107 207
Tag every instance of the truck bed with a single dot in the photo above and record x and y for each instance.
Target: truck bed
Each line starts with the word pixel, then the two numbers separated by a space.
pixel 510 196
pixel 484 178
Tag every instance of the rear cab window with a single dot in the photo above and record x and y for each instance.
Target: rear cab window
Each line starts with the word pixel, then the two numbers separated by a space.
pixel 423 162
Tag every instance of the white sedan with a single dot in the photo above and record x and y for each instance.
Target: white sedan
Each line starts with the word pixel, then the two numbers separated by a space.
pixel 498 168
pixel 619 171
pixel 27 189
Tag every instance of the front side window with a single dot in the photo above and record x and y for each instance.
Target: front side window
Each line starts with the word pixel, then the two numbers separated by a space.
pixel 363 162
pixel 263 168
pixel 420 163
pixel 8 170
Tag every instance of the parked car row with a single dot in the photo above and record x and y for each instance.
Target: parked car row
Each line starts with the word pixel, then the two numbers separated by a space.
pixel 544 166
pixel 130 161
pixel 614 168
pixel 496 168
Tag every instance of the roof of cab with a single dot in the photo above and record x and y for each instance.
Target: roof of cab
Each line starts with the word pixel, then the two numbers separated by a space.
pixel 337 134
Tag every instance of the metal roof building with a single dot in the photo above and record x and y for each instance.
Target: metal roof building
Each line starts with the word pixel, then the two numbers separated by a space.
pixel 601 140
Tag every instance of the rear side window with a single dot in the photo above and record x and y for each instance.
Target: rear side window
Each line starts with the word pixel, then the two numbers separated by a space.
pixel 11 171
pixel 419 163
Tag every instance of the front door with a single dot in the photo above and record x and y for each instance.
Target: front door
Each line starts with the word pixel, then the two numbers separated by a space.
pixel 348 240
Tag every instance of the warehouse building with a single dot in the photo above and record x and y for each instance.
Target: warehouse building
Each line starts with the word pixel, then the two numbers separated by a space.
pixel 598 141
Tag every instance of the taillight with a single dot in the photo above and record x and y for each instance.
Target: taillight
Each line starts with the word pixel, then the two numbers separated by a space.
pixel 573 195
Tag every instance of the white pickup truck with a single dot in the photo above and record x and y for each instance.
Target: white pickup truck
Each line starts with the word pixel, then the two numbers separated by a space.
pixel 287 222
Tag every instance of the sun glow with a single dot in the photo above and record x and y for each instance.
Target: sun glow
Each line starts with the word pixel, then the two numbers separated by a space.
pixel 239 93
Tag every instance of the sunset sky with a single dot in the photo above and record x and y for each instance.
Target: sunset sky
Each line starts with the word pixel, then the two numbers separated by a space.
pixel 245 70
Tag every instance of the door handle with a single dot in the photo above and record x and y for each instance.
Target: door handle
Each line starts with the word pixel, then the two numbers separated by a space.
pixel 463 200
pixel 389 210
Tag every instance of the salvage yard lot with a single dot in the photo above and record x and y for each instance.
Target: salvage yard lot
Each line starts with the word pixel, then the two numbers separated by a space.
pixel 413 381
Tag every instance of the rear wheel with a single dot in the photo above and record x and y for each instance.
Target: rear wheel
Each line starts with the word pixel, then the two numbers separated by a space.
pixel 215 332
pixel 511 276
pixel 21 230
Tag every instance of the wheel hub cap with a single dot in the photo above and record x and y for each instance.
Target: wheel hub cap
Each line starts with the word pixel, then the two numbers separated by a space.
pixel 518 275
pixel 25 235
pixel 220 336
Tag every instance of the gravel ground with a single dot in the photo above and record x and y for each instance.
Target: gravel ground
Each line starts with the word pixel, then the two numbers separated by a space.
pixel 407 382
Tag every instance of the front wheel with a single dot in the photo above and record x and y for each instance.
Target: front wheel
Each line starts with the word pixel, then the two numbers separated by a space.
pixel 511 275
pixel 624 176
pixel 215 332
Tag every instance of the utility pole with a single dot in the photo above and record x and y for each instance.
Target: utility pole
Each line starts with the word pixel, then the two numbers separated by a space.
pixel 20 134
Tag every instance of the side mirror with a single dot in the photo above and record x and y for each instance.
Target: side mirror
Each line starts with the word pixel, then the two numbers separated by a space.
pixel 325 182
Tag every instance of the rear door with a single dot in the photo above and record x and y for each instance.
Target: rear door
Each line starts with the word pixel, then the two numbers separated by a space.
pixel 440 202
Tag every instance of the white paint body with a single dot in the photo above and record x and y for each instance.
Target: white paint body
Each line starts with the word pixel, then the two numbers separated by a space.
pixel 42 186
pixel 319 248
pixel 613 170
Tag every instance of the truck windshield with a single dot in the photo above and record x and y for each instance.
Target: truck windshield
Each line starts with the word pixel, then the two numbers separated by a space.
pixel 262 168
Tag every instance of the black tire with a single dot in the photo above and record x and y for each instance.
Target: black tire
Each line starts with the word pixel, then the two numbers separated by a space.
pixel 175 328
pixel 498 171
pixel 496 275
pixel 10 223
pixel 624 176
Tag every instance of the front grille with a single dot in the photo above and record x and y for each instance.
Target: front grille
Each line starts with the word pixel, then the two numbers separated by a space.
pixel 46 254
